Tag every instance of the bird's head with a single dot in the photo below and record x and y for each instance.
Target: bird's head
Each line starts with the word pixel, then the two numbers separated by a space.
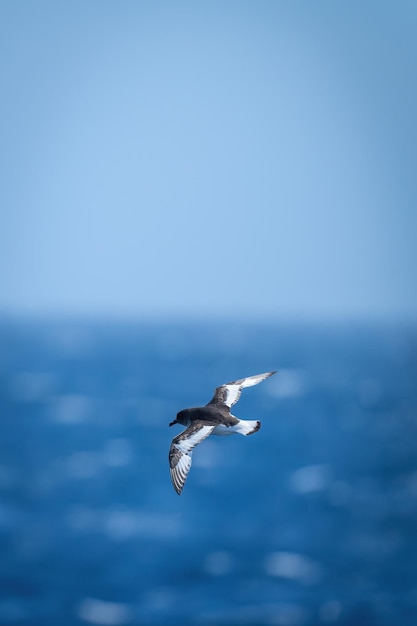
pixel 182 418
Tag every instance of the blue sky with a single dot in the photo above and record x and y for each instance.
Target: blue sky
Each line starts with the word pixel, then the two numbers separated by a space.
pixel 209 158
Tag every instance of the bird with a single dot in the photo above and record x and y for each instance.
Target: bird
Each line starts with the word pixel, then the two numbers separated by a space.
pixel 212 419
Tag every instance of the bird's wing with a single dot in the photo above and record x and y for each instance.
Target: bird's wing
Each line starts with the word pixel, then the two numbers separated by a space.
pixel 181 451
pixel 229 393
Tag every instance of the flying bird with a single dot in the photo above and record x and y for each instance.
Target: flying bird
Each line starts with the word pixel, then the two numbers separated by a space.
pixel 212 419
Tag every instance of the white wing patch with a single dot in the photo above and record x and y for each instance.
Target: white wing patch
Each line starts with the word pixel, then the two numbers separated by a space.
pixel 181 451
pixel 232 394
pixel 229 393
pixel 250 381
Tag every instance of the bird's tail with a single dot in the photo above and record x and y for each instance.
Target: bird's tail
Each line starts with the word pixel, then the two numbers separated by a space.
pixel 247 427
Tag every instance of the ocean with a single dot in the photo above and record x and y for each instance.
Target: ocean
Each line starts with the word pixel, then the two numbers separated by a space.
pixel 310 521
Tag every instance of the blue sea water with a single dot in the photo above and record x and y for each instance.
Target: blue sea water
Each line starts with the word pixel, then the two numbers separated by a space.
pixel 312 520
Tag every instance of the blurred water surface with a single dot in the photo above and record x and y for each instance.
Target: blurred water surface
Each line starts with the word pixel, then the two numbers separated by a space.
pixel 311 521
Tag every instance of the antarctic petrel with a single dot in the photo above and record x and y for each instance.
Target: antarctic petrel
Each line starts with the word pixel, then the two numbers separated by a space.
pixel 213 419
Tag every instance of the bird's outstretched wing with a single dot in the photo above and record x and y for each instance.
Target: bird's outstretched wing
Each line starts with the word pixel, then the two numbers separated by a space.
pixel 229 393
pixel 181 451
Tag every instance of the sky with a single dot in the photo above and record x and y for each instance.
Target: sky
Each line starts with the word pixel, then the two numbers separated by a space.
pixel 209 159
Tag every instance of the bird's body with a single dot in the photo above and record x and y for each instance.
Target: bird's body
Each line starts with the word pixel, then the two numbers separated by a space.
pixel 209 414
pixel 212 419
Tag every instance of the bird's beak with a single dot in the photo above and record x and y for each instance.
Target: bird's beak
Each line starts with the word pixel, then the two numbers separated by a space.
pixel 174 422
